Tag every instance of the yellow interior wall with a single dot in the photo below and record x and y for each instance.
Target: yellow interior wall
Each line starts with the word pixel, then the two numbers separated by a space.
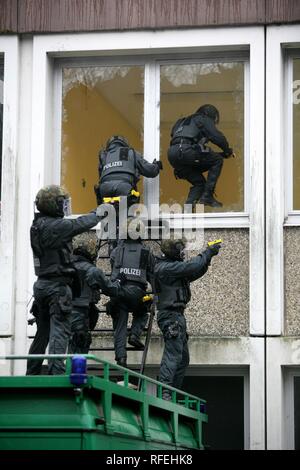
pixel 184 100
pixel 89 120
pixel 296 139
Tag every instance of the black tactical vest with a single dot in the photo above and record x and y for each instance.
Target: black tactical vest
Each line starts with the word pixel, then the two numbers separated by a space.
pixel 186 128
pixel 172 293
pixel 117 162
pixel 87 295
pixel 49 262
pixel 132 259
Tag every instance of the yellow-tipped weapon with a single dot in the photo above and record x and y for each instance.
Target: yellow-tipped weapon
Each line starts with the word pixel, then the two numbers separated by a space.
pixel 148 297
pixel 215 242
pixel 111 200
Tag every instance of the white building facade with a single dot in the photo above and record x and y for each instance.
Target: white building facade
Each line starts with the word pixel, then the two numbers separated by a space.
pixel 244 318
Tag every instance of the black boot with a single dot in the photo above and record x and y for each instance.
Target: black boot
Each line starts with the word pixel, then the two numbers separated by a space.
pixel 122 361
pixel 208 199
pixel 134 341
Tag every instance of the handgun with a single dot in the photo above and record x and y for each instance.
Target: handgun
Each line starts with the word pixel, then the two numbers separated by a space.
pixel 215 242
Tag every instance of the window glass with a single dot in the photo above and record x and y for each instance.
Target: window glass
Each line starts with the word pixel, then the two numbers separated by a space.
pixel 1 122
pixel 296 133
pixel 186 87
pixel 98 102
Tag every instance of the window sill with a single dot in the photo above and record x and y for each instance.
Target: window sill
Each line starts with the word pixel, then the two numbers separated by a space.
pixel 206 221
pixel 292 219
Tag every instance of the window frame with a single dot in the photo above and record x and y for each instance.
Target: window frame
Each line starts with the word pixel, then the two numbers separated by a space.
pixel 292 216
pixel 151 130
pixel 9 51
pixel 289 406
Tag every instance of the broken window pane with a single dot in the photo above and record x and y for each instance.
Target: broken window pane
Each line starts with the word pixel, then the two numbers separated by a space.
pixel 98 102
pixel 186 87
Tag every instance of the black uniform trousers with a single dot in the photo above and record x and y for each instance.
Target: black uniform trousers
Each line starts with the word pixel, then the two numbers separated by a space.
pixel 189 163
pixel 54 304
pixel 176 356
pixel 130 300
pixel 80 336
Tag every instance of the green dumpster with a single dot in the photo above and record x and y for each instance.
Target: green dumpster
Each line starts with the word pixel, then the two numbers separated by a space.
pixel 51 413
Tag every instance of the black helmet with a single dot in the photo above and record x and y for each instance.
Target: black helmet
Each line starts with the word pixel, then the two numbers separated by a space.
pixel 52 200
pixel 117 139
pixel 86 245
pixel 210 111
pixel 174 248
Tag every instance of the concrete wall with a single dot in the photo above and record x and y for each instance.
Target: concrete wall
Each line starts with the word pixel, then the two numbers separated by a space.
pixel 292 281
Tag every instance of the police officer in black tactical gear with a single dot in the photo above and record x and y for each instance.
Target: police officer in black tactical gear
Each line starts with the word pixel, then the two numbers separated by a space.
pixel 120 168
pixel 51 241
pixel 85 313
pixel 135 262
pixel 190 157
pixel 173 276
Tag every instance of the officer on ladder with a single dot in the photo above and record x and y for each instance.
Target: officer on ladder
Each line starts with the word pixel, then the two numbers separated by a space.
pixel 51 241
pixel 84 311
pixel 135 261
pixel 173 276
pixel 120 168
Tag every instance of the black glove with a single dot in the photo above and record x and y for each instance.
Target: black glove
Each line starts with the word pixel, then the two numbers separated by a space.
pixel 158 163
pixel 214 249
pixel 229 153
pixel 34 309
pixel 122 278
pixel 97 193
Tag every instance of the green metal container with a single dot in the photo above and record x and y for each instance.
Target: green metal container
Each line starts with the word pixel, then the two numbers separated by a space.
pixel 49 413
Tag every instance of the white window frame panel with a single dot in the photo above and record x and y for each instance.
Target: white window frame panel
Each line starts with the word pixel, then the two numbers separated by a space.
pixel 142 43
pixel 292 217
pixel 279 38
pixel 9 47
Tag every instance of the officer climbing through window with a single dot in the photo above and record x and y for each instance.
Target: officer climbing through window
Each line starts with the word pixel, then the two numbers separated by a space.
pixel 173 276
pixel 135 261
pixel 51 241
pixel 84 311
pixel 120 168
pixel 190 157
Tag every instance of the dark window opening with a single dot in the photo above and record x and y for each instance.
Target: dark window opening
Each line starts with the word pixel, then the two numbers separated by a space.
pixel 297 411
pixel 225 408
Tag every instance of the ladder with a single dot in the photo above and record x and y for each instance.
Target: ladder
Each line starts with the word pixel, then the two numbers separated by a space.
pixel 148 328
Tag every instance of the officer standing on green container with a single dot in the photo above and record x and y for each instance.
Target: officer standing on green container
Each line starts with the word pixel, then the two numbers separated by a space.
pixel 51 241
